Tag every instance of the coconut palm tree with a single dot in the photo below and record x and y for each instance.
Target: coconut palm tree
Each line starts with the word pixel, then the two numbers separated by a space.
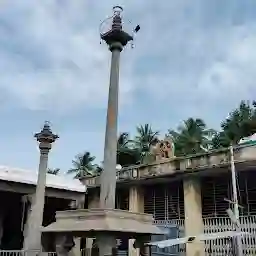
pixel 83 165
pixel 143 141
pixel 123 141
pixel 220 140
pixel 240 123
pixel 127 153
pixel 191 137
pixel 54 171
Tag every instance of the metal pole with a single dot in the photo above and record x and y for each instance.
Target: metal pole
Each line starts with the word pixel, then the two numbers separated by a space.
pixel 235 200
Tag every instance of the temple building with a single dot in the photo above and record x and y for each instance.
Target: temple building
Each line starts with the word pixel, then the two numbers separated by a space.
pixel 17 188
pixel 190 193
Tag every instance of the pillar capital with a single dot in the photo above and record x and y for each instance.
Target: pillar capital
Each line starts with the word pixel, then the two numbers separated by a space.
pixel 44 147
pixel 45 136
pixel 116 37
pixel 115 46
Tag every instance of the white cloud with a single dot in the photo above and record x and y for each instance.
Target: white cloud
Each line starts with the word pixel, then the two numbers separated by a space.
pixel 233 78
pixel 50 56
pixel 191 58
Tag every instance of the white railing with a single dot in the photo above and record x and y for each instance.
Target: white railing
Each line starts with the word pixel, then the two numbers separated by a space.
pixel 247 224
pixel 12 253
pixel 178 222
pixel 25 253
pixel 222 247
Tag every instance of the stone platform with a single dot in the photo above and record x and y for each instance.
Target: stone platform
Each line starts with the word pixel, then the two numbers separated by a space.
pixel 118 223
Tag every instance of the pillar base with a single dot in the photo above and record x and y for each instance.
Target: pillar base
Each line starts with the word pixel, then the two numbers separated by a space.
pixel 136 204
pixel 99 221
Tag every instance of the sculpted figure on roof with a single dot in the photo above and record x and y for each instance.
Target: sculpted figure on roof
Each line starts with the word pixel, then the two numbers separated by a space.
pixel 163 149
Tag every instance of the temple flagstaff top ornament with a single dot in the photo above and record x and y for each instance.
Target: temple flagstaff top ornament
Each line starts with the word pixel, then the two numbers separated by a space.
pixel 115 33
pixel 46 135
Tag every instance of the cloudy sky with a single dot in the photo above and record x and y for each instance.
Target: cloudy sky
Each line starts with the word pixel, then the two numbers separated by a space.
pixel 191 58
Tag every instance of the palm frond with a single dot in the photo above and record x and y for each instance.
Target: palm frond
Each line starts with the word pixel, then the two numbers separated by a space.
pixel 83 165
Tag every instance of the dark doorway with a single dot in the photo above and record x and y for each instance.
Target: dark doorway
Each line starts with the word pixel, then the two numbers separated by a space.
pixel 12 210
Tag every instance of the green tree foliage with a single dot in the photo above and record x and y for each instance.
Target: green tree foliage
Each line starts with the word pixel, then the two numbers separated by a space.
pixel 191 137
pixel 240 123
pixel 220 140
pixel 127 153
pixel 144 139
pixel 54 171
pixel 83 166
pixel 137 150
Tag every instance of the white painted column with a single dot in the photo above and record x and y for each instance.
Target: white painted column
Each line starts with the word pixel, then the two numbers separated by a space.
pixel 193 215
pixel 136 204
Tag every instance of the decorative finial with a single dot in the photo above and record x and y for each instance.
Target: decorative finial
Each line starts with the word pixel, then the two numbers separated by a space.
pixel 117 10
pixel 114 35
pixel 117 20
pixel 46 135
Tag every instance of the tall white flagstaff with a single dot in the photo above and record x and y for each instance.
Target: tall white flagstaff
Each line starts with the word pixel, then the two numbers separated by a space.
pixel 235 200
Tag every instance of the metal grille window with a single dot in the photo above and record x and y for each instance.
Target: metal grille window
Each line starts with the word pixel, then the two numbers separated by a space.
pixel 216 189
pixel 165 201
pixel 247 192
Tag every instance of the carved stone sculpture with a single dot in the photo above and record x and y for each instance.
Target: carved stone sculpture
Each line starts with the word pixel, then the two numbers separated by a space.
pixel 163 149
pixel 156 151
pixel 167 148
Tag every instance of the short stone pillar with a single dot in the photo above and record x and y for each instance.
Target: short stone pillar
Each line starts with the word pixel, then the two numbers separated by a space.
pixel 32 240
pixel 94 203
pixel 77 204
pixel 136 204
pixel 193 215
